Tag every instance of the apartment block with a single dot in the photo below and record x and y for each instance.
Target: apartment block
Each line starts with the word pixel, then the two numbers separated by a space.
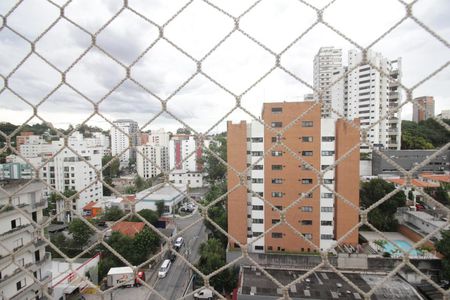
pixel 281 178
pixel 124 139
pixel 326 62
pixel 370 92
pixel 20 244
pixel 185 153
pixel 152 160
pixel 427 102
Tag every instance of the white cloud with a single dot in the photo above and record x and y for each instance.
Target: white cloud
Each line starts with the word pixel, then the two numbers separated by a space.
pixel 236 64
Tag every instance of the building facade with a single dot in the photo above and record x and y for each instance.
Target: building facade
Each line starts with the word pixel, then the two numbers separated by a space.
pixel 427 102
pixel 370 92
pixel 185 153
pixel 283 177
pixel 124 139
pixel 190 179
pixel 152 160
pixel 408 159
pixel 326 62
pixel 19 242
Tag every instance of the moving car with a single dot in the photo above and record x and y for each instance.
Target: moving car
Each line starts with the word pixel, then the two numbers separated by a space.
pixel 204 293
pixel 164 269
pixel 178 242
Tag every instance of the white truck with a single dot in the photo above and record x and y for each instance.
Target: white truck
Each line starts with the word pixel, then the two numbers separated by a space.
pixel 123 276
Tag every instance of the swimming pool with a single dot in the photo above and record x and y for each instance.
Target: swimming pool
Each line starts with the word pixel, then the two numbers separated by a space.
pixel 389 247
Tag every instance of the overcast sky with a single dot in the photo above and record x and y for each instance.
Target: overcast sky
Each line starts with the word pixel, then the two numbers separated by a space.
pixel 236 64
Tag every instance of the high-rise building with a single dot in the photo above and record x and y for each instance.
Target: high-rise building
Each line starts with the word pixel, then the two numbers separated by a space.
pixel 159 137
pixel 445 114
pixel 124 139
pixel 326 62
pixel 427 102
pixel 185 153
pixel 370 95
pixel 19 242
pixel 152 160
pixel 63 169
pixel 282 177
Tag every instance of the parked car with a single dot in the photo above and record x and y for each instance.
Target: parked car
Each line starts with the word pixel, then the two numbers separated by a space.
pixel 204 293
pixel 187 208
pixel 164 269
pixel 124 276
pixel 178 242
pixel 171 256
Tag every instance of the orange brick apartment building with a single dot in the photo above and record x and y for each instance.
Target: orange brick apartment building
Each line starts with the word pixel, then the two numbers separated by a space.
pixel 280 179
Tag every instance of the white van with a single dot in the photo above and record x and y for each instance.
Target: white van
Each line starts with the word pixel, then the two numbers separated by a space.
pixel 164 268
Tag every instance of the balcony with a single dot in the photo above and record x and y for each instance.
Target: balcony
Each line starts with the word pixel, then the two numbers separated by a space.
pixel 17 230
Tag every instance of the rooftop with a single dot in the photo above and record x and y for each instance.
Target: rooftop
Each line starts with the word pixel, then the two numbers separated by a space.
pixel 428 218
pixel 437 177
pixel 323 285
pixel 129 228
pixel 165 192
pixel 414 182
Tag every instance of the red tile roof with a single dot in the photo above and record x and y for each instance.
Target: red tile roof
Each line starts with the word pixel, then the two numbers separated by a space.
pixel 128 228
pixel 414 182
pixel 89 206
pixel 437 177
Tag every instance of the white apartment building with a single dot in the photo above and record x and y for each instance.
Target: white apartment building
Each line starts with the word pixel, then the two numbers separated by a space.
pixel 367 94
pixel 151 160
pixel 159 137
pixel 190 179
pixel 99 139
pixel 19 242
pixel 124 136
pixel 326 62
pixel 184 153
pixel 65 170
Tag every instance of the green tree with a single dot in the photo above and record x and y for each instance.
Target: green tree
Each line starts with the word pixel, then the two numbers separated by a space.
pixel 439 194
pixel 111 171
pixel 148 214
pixel 443 246
pixel 212 257
pixel 141 184
pixel 426 134
pixel 145 243
pixel 106 190
pixel 410 195
pixel 382 216
pixel 130 189
pixel 53 198
pixel 81 232
pixel 215 169
pixel 160 208
pixel 112 214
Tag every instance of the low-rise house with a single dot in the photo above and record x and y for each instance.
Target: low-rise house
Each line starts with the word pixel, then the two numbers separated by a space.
pixel 191 179
pixel 128 228
pixel 92 210
pixel 170 195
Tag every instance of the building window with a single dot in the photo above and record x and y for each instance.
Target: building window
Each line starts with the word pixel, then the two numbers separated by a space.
pixel 307 153
pixel 277 180
pixel 20 284
pixel 277 153
pixel 327 153
pixel 257 140
pixel 277 167
pixel 307 123
pixel 306 195
pixel 257 207
pixel 326 209
pixel 257 221
pixel 258 167
pixel 255 234
pixel 327 195
pixel 306 222
pixel 307 236
pixel 323 167
pixel 259 247
pixel 257 153
pixel 277 235
pixel 328 139
pixel 307 139
pixel 306 208
pixel 307 181
pixel 326 236
pixel 277 110
pixel 15 223
pixel 279 207
pixel 277 124
pixel 277 194
pixel 257 180
pixel 275 221
pixel 328 181
pixel 326 223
